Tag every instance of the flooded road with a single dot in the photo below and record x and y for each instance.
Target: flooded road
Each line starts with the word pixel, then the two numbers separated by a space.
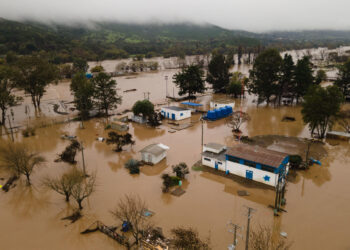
pixel 318 203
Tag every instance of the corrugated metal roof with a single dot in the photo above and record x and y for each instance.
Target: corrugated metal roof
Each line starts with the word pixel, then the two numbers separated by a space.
pixel 215 146
pixel 257 154
pixel 175 108
pixel 154 149
pixel 220 157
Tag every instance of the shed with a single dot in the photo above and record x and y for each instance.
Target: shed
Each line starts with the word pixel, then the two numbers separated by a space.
pixel 120 126
pixel 221 104
pixel 154 153
pixel 175 113
pixel 192 106
pixel 213 156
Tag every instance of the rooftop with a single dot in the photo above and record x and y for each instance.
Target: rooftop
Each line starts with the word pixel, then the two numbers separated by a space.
pixel 257 154
pixel 221 156
pixel 155 149
pixel 175 108
pixel 215 146
pixel 192 104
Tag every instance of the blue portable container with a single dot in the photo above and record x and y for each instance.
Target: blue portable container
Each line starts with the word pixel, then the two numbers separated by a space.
pixel 218 113
pixel 229 110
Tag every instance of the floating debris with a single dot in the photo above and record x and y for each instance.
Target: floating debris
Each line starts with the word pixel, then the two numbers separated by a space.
pixel 178 192
pixel 242 193
pixel 288 119
pixel 284 234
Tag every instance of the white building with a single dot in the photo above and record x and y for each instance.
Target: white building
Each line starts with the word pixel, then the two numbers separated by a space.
pixel 221 104
pixel 154 153
pixel 175 113
pixel 250 162
pixel 213 156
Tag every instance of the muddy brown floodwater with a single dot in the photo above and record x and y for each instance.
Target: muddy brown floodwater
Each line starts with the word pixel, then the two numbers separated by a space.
pixel 318 201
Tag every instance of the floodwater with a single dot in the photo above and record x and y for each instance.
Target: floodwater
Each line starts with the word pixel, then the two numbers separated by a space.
pixel 318 203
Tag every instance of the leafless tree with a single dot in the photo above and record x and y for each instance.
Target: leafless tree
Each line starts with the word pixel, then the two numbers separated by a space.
pixel 262 238
pixel 83 189
pixel 65 183
pixel 188 238
pixel 131 208
pixel 344 121
pixel 19 159
pixel 236 120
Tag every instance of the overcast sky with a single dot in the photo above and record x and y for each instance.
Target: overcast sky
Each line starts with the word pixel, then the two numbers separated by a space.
pixel 252 15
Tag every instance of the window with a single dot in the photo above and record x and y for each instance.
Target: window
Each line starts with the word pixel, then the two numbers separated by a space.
pixel 219 162
pixel 233 159
pixel 267 168
pixel 207 159
pixel 181 114
pixel 250 164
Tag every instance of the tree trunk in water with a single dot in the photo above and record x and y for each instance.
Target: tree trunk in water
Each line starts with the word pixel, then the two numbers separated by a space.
pixel 3 116
pixel 28 179
pixel 79 203
pixel 67 197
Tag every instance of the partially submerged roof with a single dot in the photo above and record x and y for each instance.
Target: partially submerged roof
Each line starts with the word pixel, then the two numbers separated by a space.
pixel 221 156
pixel 175 108
pixel 192 104
pixel 257 154
pixel 215 146
pixel 155 149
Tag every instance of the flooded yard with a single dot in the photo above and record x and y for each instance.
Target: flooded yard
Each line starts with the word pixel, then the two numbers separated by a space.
pixel 318 201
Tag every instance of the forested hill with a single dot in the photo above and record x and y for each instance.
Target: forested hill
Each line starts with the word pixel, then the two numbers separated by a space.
pixel 116 40
pixel 111 40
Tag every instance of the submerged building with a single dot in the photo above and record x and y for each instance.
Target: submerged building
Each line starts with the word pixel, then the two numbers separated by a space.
pixel 250 162
pixel 175 113
pixel 154 153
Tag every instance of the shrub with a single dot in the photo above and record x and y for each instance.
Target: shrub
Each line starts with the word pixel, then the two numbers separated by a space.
pixel 29 131
pixel 295 161
pixel 133 166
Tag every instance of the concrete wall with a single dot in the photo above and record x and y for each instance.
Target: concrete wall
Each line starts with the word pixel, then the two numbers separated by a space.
pixel 212 161
pixel 151 158
pixel 208 149
pixel 258 175
pixel 179 115
pixel 216 105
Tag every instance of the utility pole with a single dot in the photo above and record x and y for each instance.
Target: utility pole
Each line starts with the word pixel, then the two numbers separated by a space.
pixel 8 117
pixel 166 85
pixel 234 229
pixel 202 131
pixel 250 210
pixel 82 155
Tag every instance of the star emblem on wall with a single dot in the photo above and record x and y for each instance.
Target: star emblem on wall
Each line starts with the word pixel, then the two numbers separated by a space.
pixel 267 178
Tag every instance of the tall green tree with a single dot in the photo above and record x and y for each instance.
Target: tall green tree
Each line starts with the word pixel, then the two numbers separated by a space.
pixel 319 106
pixel 144 107
pixel 33 74
pixel 343 80
pixel 265 75
pixel 235 86
pixel 286 81
pixel 218 73
pixel 80 65
pixel 303 77
pixel 321 76
pixel 190 80
pixel 105 92
pixel 7 98
pixel 83 91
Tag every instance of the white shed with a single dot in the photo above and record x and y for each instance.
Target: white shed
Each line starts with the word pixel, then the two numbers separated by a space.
pixel 175 113
pixel 154 153
pixel 221 104
pixel 213 156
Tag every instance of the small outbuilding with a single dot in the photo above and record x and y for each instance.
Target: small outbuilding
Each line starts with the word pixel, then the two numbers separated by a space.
pixel 175 113
pixel 221 104
pixel 154 153
pixel 120 126
pixel 213 156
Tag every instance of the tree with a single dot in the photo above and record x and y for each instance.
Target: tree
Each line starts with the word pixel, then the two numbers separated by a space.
pixel 262 239
pixel 83 91
pixel 19 159
pixel 181 170
pixel 131 208
pixel 303 77
pixel 64 184
pixel 190 80
pixel 80 65
pixel 319 106
pixel 7 99
pixel 68 155
pixel 33 74
pixel 343 79
pixel 105 92
pixel 321 76
pixel 119 140
pixel 133 166
pixel 187 238
pixel 286 81
pixel 144 107
pixel 97 69
pixel 84 188
pixel 218 73
pixel 236 120
pixel 235 86
pixel 265 74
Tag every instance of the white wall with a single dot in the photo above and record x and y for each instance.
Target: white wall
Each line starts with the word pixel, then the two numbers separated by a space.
pixel 216 105
pixel 212 161
pixel 258 175
pixel 185 114
pixel 154 159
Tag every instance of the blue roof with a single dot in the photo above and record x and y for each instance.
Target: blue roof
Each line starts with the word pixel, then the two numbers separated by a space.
pixel 192 104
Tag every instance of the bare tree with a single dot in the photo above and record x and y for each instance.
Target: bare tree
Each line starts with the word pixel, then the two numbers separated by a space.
pixel 65 184
pixel 344 120
pixel 131 208
pixel 187 238
pixel 83 189
pixel 236 120
pixel 19 159
pixel 262 239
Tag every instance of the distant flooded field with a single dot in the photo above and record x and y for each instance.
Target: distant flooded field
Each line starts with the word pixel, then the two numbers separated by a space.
pixel 318 203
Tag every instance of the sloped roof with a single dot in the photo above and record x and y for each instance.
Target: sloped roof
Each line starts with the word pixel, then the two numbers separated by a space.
pixel 154 149
pixel 215 146
pixel 257 154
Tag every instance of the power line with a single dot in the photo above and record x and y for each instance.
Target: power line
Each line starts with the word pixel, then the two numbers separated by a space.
pixel 250 210
pixel 233 229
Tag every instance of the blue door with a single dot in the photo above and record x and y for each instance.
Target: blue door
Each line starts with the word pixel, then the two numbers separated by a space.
pixel 173 116
pixel 249 174
pixel 168 115
pixel 216 166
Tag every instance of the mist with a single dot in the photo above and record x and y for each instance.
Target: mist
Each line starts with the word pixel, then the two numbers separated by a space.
pixel 250 15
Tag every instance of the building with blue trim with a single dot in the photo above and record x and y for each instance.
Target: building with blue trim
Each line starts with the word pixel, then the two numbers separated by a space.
pixel 175 113
pixel 250 162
